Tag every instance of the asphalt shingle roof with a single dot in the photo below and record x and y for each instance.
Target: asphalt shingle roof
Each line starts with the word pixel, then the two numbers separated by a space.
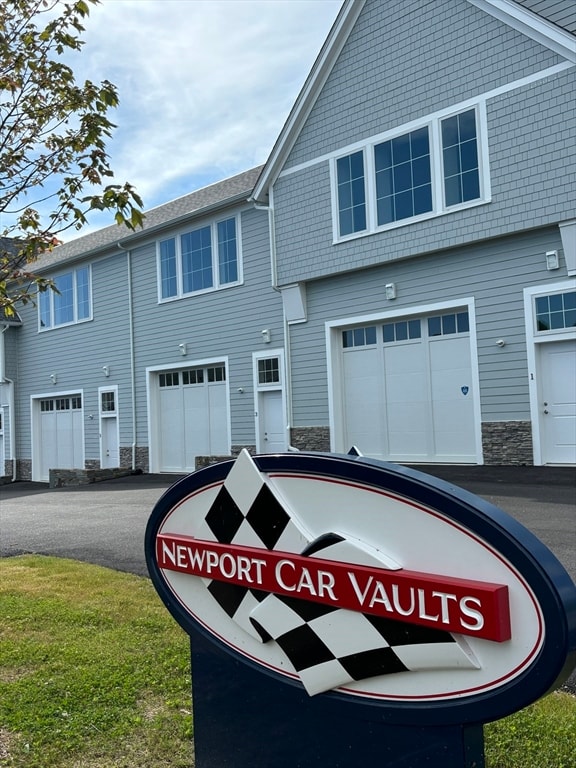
pixel 233 189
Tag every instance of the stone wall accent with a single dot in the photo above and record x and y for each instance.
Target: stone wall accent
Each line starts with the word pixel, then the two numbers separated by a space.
pixel 507 443
pixel 310 438
pixel 6 472
pixel 237 448
pixel 59 478
pixel 142 457
pixel 207 461
pixel 24 469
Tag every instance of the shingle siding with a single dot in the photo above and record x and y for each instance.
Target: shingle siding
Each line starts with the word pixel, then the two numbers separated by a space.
pixel 532 146
pixel 493 274
pixel 405 60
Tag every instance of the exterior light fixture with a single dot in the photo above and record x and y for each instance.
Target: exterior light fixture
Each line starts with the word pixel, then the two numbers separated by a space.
pixel 266 335
pixel 552 261
pixel 106 370
pixel 390 289
pixel 183 349
pixel 53 378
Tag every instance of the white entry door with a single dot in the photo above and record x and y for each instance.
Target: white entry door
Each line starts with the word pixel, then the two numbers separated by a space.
pixel 558 402
pixel 269 402
pixel 109 441
pixel 273 431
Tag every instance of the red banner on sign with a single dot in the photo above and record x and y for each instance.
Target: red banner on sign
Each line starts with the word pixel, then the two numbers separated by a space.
pixel 463 606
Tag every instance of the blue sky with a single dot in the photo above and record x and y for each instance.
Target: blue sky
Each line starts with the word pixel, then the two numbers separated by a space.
pixel 205 85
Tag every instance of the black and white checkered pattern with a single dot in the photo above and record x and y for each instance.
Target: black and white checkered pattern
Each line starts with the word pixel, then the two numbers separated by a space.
pixel 330 646
pixel 248 512
pixel 327 646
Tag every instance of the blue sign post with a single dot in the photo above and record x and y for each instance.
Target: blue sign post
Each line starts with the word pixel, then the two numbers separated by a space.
pixel 344 612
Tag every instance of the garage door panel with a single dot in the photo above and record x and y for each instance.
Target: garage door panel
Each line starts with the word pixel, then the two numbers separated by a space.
pixel 59 442
pixel 362 410
pixel 218 415
pixel 192 419
pixel 413 399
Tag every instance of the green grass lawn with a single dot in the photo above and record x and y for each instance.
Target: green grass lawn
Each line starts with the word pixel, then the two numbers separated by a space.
pixel 94 673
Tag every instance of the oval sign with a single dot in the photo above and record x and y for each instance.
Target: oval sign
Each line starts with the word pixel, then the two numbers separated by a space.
pixel 367 581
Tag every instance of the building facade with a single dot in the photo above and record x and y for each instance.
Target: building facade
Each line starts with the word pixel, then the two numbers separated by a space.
pixel 424 204
pixel 400 276
pixel 160 346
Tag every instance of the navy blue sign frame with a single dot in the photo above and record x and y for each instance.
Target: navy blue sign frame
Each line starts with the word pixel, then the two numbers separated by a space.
pixel 550 583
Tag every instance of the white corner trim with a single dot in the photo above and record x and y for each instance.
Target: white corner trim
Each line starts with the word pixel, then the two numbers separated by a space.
pixel 531 25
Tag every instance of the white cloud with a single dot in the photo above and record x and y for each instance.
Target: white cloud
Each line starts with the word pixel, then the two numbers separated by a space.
pixel 205 85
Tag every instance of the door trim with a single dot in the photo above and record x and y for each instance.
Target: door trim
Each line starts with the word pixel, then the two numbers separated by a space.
pixel 152 401
pixel 276 386
pixel 107 416
pixel 35 430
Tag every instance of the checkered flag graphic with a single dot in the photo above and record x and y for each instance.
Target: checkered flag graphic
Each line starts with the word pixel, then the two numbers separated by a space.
pixel 248 512
pixel 327 646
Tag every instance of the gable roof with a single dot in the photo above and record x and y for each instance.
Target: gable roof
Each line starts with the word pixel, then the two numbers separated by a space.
pixel 559 12
pixel 549 22
pixel 203 201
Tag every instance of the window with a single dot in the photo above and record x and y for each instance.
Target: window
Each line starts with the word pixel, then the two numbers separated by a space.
pixel 401 330
pixel 218 373
pixel 70 304
pixel 418 173
pixel 460 158
pixel 351 193
pixel 108 401
pixel 359 337
pixel 444 325
pixel 170 379
pixel 556 311
pixel 269 370
pixel 403 177
pixel 203 259
pixel 193 376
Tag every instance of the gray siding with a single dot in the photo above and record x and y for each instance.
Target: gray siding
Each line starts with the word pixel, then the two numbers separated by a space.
pixel 76 354
pixel 408 67
pixel 405 59
pixel 494 274
pixel 224 323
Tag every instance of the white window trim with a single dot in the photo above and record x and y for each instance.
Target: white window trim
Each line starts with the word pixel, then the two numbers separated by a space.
pixel 107 414
pixel 439 208
pixel 534 339
pixel 217 286
pixel 333 330
pixel 50 293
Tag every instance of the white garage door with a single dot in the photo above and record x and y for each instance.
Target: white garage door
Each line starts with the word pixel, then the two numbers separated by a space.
pixel 407 390
pixel 59 440
pixel 192 416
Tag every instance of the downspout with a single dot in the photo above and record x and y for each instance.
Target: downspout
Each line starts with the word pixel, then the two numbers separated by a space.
pixel 128 253
pixel 11 402
pixel 274 275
